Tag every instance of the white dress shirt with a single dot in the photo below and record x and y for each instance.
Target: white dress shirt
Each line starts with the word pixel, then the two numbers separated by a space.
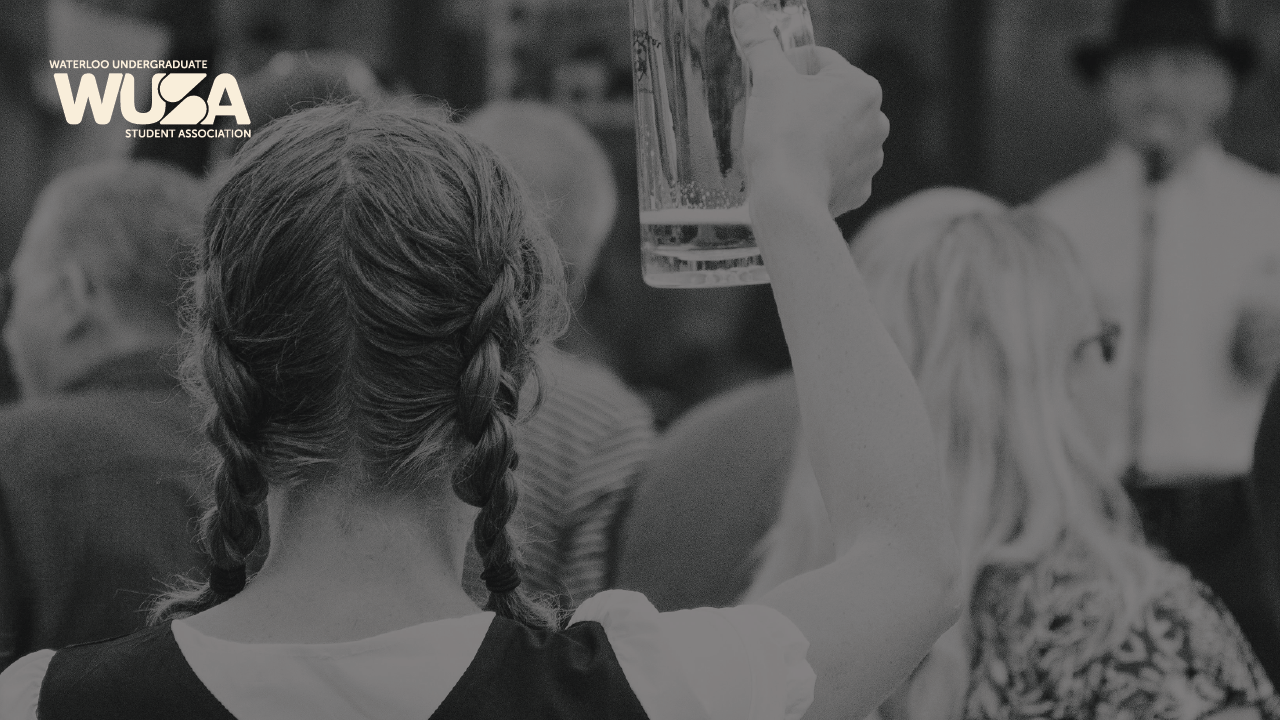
pixel 1217 251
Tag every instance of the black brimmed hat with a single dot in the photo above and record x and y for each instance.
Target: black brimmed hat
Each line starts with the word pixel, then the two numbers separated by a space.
pixel 1149 24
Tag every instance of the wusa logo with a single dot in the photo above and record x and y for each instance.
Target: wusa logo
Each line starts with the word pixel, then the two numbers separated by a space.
pixel 224 99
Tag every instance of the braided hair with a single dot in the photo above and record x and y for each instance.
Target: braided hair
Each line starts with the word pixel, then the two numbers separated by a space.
pixel 370 291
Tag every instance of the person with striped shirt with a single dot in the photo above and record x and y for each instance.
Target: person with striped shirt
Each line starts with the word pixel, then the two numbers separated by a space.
pixel 581 450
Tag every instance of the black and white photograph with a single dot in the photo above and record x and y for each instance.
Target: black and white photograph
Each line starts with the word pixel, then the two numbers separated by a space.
pixel 639 359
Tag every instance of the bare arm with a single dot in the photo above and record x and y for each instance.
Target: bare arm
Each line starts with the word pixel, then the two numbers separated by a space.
pixel 813 144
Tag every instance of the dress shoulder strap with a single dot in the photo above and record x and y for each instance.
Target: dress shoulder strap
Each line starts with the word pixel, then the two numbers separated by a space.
pixel 142 676
pixel 520 672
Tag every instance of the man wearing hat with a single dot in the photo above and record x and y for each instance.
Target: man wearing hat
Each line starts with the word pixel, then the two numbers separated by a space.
pixel 1182 242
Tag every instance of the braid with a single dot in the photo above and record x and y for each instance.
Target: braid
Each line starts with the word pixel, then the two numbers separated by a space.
pixel 231 526
pixel 369 294
pixel 488 400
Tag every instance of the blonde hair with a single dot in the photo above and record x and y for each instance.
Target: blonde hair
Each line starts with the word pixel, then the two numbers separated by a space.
pixel 987 308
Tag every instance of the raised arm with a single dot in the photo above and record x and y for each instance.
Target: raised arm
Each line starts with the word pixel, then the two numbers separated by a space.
pixel 813 143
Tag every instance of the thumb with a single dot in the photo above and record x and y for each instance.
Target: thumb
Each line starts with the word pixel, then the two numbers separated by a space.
pixel 762 48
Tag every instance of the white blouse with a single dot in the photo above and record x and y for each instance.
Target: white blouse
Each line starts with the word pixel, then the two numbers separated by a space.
pixel 742 663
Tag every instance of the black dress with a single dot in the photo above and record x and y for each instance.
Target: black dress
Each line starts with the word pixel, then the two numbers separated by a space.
pixel 517 672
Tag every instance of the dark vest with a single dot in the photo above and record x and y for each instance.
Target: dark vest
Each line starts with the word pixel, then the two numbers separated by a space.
pixel 518 672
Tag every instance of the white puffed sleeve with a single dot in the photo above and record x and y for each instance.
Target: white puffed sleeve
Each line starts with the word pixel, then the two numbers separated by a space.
pixel 742 663
pixel 20 686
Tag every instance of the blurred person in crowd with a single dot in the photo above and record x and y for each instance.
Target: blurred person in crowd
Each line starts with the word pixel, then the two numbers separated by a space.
pixel 707 506
pixel 580 452
pixel 590 74
pixel 98 481
pixel 1182 242
pixel 1070 614
pixel 369 399
pixel 190 27
pixel 295 80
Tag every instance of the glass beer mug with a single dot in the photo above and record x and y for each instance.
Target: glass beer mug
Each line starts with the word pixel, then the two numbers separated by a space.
pixel 691 89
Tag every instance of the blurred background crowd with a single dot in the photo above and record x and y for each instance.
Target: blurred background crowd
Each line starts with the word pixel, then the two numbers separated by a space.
pixel 981 93
pixel 686 479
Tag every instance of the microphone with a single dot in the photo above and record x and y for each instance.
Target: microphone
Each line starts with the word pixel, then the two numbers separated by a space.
pixel 1157 165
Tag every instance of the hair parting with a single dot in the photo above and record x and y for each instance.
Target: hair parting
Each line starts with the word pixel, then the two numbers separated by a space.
pixel 369 295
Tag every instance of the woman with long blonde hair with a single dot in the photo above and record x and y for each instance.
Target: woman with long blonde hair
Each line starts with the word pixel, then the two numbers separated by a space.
pixel 1069 614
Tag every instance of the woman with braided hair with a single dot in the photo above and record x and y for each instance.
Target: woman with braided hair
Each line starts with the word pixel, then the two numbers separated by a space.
pixel 370 291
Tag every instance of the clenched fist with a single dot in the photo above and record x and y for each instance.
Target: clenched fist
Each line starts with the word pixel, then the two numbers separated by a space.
pixel 813 121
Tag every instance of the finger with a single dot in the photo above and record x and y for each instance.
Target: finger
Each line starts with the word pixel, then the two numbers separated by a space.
pixel 830 62
pixel 807 59
pixel 811 60
pixel 763 50
pixel 814 60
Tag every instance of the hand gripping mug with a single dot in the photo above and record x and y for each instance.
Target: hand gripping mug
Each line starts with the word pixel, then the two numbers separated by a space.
pixel 691 89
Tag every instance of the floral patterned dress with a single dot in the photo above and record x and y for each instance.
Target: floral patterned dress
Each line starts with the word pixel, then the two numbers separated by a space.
pixel 1183 659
